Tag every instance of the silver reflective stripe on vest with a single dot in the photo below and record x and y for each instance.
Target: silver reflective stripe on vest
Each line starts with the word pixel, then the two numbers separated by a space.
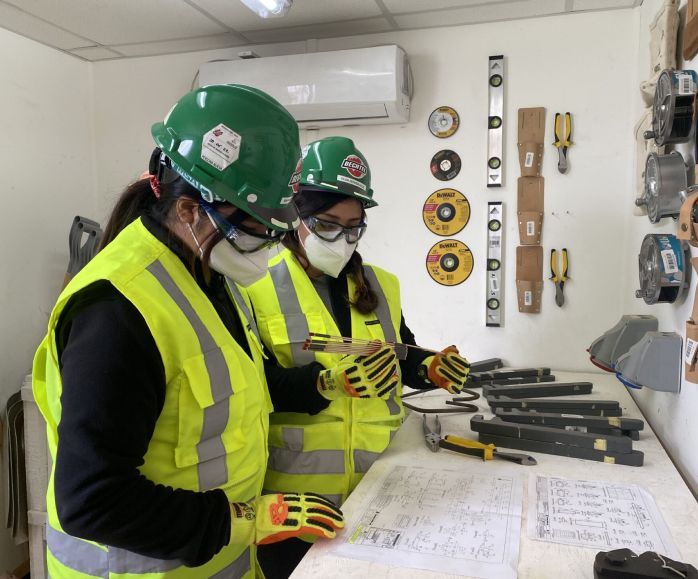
pixel 122 561
pixel 363 459
pixel 386 322
pixel 393 407
pixel 90 559
pixel 237 568
pixel 212 468
pixel 293 460
pixel 76 554
pixel 242 306
pixel 296 322
pixel 382 309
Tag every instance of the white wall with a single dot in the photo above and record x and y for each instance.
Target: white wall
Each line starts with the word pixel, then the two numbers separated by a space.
pixel 47 178
pixel 672 416
pixel 450 67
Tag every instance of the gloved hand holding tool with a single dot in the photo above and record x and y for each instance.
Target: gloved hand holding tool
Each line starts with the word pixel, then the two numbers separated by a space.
pixel 434 442
pixel 447 369
pixel 282 516
pixel 372 375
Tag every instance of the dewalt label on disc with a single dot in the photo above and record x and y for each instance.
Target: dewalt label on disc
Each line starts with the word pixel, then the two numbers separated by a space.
pixel 446 212
pixel 443 122
pixel 445 165
pixel 449 262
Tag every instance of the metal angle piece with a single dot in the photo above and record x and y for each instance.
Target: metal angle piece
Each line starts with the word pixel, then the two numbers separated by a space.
pixel 634 458
pixel 494 290
pixel 592 407
pixel 495 121
pixel 613 343
pixel 486 365
pixel 498 427
pixel 571 421
pixel 539 390
pixel 654 362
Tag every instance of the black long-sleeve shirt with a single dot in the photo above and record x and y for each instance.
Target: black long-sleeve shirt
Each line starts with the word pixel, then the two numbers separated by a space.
pixel 113 393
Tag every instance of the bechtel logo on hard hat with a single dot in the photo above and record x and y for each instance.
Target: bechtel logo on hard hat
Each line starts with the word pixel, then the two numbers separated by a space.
pixel 296 177
pixel 355 166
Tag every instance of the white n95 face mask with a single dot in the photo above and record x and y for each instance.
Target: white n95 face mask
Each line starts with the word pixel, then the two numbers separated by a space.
pixel 242 268
pixel 329 257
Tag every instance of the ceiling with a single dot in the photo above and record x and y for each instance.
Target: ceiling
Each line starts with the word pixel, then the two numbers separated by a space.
pixel 111 29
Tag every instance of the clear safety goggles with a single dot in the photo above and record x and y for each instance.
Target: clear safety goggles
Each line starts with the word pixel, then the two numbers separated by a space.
pixel 329 231
pixel 241 238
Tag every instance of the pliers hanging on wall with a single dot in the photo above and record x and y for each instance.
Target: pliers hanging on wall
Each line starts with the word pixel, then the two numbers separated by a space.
pixel 559 275
pixel 563 141
pixel 434 442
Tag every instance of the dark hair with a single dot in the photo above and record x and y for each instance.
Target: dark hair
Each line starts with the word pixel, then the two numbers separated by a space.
pixel 309 202
pixel 139 199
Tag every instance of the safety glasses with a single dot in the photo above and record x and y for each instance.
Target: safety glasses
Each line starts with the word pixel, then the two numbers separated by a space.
pixel 241 238
pixel 330 231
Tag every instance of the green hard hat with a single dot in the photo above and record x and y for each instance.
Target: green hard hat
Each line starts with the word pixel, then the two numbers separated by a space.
pixel 236 144
pixel 335 164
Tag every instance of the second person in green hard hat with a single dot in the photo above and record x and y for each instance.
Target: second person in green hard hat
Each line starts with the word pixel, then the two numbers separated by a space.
pixel 335 418
pixel 151 376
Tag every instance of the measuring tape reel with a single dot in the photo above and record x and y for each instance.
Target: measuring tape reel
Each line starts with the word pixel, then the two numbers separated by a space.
pixel 673 110
pixel 665 186
pixel 662 269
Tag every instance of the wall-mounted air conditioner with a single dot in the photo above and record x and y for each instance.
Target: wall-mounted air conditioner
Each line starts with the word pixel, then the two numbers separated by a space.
pixel 327 89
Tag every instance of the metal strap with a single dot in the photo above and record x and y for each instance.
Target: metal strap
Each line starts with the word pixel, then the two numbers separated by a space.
pixel 212 468
pixel 296 322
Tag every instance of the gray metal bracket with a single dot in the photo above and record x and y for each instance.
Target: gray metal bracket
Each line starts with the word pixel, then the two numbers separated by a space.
pixel 654 362
pixel 613 343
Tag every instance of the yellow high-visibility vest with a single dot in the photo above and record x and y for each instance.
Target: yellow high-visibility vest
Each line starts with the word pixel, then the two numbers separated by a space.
pixel 212 431
pixel 327 453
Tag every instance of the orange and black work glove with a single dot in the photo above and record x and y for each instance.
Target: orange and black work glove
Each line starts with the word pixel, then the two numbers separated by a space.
pixel 282 516
pixel 370 376
pixel 447 370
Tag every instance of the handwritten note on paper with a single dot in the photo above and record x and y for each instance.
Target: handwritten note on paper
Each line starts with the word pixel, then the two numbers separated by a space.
pixel 598 515
pixel 458 522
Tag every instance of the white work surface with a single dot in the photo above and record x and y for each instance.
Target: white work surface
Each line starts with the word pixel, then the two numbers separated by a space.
pixel 537 559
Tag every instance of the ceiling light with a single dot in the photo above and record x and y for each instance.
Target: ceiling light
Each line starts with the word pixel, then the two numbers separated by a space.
pixel 269 8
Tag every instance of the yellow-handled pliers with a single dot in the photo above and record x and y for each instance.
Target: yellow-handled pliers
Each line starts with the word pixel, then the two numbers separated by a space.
pixel 470 447
pixel 559 275
pixel 563 141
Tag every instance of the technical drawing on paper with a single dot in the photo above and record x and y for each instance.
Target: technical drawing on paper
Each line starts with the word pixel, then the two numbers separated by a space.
pixel 597 515
pixel 441 520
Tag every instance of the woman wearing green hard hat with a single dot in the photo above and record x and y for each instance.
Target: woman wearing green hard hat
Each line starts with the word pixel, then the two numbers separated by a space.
pixel 326 432
pixel 151 375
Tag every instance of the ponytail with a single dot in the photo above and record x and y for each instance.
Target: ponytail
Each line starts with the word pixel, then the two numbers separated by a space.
pixel 135 201
pixel 364 299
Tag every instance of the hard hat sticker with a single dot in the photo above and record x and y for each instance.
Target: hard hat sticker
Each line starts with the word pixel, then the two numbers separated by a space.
pixel 221 147
pixel 355 166
pixel 351 181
